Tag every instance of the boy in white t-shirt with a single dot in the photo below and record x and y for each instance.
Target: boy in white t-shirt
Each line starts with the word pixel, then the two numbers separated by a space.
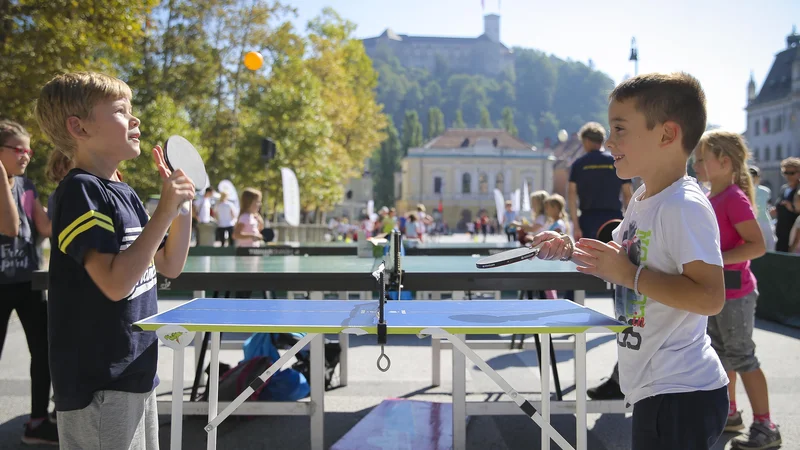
pixel 666 263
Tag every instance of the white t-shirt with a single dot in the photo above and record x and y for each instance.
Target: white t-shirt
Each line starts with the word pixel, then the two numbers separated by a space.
pixel 203 205
pixel 666 350
pixel 226 214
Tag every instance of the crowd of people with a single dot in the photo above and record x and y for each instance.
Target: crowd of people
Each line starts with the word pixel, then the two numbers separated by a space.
pixel 679 361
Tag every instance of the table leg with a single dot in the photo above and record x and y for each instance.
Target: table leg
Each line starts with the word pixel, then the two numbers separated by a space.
pixel 436 364
pixel 176 429
pixel 459 397
pixel 344 343
pixel 545 377
pixel 580 390
pixel 213 389
pixel 519 399
pixel 317 392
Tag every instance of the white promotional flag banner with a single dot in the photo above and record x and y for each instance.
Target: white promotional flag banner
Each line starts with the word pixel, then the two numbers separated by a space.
pixel 227 187
pixel 498 203
pixel 371 208
pixel 291 197
pixel 515 201
pixel 526 198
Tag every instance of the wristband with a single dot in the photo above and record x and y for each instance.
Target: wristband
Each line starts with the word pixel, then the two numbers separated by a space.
pixel 570 245
pixel 636 280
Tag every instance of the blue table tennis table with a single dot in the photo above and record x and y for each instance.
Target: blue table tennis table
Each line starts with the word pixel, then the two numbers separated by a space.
pixel 448 320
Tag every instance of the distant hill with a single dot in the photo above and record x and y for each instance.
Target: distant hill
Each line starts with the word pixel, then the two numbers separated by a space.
pixel 544 93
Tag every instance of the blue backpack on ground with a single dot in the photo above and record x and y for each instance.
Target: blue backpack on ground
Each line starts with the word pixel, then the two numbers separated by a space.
pixel 285 385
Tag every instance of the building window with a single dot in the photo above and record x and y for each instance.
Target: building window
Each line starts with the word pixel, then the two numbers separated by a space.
pixel 757 154
pixel 437 185
pixel 779 152
pixel 466 181
pixel 767 155
pixel 766 125
pixel 757 127
pixel 499 181
pixel 483 183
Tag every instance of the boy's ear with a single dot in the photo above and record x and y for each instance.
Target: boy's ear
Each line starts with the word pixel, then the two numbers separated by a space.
pixel 669 132
pixel 75 128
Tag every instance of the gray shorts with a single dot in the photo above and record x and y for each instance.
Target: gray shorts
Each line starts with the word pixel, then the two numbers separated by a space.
pixel 113 421
pixel 731 333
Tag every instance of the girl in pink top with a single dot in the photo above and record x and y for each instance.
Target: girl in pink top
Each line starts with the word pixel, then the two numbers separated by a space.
pixel 247 231
pixel 721 161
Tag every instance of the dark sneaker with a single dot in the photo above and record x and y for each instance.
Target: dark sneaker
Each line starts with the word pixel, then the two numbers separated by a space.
pixel 606 391
pixel 734 422
pixel 46 433
pixel 760 437
pixel 53 417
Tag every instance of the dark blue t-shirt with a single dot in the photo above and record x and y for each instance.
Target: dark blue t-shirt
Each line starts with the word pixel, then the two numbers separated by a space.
pixel 92 346
pixel 598 184
pixel 18 254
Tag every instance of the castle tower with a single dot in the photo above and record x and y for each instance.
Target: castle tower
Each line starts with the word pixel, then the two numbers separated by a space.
pixel 491 27
pixel 751 89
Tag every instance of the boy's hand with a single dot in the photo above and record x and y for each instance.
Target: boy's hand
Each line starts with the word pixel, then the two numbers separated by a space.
pixel 176 187
pixel 607 261
pixel 555 245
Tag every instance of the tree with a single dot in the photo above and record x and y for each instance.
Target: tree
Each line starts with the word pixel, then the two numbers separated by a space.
pixel 459 122
pixel 39 39
pixel 507 123
pixel 385 163
pixel 412 132
pixel 486 120
pixel 435 122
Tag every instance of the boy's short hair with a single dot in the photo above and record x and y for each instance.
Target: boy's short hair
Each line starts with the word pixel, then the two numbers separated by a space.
pixel 792 161
pixel 661 97
pixel 594 132
pixel 74 94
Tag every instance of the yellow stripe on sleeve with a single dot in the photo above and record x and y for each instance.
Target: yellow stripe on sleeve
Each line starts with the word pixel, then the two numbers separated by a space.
pixel 94 222
pixel 80 220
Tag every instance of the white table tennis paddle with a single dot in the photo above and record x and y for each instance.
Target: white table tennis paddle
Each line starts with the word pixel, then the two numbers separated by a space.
pixel 181 154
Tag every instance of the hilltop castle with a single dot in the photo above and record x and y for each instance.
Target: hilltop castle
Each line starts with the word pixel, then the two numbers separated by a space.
pixel 484 54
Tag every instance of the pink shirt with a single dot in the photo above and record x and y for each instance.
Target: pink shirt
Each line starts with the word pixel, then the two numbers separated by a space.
pixel 249 226
pixel 731 207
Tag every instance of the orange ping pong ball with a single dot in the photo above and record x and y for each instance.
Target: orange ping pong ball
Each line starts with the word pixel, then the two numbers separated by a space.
pixel 253 60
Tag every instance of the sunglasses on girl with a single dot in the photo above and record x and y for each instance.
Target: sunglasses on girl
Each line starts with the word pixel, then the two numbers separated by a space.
pixel 19 150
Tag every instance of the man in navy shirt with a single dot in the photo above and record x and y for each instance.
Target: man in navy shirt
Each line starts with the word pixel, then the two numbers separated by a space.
pixel 600 195
pixel 594 187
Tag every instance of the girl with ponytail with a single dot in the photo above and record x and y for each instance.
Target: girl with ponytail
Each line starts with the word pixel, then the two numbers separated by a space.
pixel 721 162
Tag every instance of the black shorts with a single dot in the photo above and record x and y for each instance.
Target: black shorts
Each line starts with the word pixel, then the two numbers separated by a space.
pixel 686 421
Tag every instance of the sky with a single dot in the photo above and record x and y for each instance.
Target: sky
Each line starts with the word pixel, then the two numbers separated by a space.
pixel 718 41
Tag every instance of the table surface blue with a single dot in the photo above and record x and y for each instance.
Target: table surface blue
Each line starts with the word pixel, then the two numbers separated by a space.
pixel 402 317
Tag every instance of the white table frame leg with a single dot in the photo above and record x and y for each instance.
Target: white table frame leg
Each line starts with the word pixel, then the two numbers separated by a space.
pixel 459 419
pixel 213 389
pixel 545 378
pixel 344 344
pixel 176 427
pixel 459 397
pixel 580 391
pixel 317 392
pixel 436 361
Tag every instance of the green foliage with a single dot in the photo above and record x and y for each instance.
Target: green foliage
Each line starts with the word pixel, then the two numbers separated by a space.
pixel 507 123
pixel 435 122
pixel 412 132
pixel 315 96
pixel 486 120
pixel 543 94
pixel 385 162
pixel 459 121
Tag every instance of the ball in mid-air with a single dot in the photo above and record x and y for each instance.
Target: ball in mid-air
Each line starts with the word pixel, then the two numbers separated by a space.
pixel 253 60
pixel 562 136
